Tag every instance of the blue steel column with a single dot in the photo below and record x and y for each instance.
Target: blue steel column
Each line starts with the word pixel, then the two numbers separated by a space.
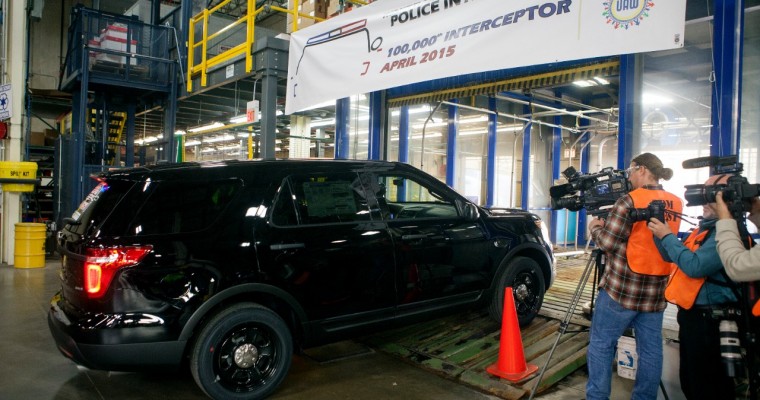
pixel 376 112
pixel 525 195
pixel 79 117
pixel 403 135
pixel 403 144
pixel 556 161
pixel 585 155
pixel 342 146
pixel 76 149
pixel 186 12
pixel 627 111
pixel 728 28
pixel 451 144
pixel 491 153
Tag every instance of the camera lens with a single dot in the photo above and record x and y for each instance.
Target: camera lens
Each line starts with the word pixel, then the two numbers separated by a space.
pixel 730 347
pixel 571 203
pixel 638 214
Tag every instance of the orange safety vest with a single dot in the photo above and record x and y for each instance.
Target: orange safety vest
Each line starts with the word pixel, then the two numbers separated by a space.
pixel 682 289
pixel 641 252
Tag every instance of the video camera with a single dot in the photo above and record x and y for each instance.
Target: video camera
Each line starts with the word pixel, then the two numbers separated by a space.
pixel 596 190
pixel 735 192
pixel 655 209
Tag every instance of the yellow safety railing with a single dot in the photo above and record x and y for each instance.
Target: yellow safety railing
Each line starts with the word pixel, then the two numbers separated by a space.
pixel 202 18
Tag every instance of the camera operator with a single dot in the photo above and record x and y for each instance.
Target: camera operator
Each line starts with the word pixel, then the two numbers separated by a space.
pixel 699 289
pixel 742 265
pixel 632 287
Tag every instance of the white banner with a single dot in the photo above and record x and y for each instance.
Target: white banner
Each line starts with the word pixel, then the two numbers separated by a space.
pixel 392 43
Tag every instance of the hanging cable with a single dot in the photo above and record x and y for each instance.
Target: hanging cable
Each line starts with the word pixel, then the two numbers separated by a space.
pixel 424 125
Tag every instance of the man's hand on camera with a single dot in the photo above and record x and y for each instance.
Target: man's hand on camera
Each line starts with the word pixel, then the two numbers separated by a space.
pixel 658 228
pixel 754 212
pixel 595 223
pixel 721 208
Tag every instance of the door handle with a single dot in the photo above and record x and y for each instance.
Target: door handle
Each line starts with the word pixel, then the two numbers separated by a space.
pixel 287 246
pixel 414 237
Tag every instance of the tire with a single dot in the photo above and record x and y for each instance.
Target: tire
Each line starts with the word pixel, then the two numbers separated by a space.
pixel 260 340
pixel 527 281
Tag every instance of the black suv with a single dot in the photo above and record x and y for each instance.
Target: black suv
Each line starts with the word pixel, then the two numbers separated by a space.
pixel 229 266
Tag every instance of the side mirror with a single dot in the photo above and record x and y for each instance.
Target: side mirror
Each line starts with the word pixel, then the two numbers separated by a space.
pixel 471 212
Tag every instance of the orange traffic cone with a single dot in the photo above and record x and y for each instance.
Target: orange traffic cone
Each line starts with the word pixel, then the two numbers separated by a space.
pixel 511 363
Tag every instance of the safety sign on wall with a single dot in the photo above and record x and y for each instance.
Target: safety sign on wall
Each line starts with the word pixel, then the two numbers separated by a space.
pixel 5 101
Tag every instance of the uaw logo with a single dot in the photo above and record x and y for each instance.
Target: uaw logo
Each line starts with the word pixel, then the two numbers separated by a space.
pixel 626 13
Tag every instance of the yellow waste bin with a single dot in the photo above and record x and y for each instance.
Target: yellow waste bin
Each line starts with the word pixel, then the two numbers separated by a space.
pixel 29 245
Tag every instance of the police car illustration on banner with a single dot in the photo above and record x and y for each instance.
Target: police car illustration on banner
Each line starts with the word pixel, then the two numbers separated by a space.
pixel 626 13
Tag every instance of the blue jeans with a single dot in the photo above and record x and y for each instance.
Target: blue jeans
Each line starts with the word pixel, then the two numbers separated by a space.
pixel 609 322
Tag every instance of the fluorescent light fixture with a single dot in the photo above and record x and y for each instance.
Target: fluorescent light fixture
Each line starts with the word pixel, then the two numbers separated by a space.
pixel 150 139
pixel 417 110
pixel 202 128
pixel 192 143
pixel 179 132
pixel 601 80
pixel 585 83
pixel 221 138
pixel 233 147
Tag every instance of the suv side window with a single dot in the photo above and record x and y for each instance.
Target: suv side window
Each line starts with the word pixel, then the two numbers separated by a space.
pixel 407 198
pixel 180 206
pixel 321 199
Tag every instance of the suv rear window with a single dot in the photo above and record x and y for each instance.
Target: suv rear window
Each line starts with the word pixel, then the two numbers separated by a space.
pixel 182 206
pixel 153 207
pixel 101 201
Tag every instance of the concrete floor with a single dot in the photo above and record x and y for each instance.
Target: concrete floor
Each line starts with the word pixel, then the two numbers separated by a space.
pixel 32 368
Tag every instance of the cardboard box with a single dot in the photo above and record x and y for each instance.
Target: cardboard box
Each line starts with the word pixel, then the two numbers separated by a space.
pixel 37 139
pixel 627 358
pixel 50 136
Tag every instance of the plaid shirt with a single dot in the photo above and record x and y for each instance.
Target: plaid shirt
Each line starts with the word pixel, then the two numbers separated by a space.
pixel 638 292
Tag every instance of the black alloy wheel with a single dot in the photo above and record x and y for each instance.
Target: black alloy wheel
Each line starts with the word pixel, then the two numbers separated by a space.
pixel 527 281
pixel 244 352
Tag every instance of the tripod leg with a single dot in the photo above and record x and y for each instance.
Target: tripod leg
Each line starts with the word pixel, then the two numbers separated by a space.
pixel 591 265
pixel 664 393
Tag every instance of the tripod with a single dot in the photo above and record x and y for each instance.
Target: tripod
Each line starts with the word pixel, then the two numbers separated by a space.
pixel 597 260
pixel 596 264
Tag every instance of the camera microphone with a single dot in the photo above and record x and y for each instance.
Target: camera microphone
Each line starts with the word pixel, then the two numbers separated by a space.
pixel 708 161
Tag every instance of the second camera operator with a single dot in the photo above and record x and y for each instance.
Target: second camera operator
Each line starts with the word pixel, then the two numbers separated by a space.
pixel 742 265
pixel 698 288
pixel 632 287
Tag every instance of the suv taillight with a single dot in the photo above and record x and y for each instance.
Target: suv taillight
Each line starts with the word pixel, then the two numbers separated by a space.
pixel 102 264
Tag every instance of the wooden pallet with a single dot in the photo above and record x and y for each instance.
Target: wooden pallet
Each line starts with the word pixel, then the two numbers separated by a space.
pixel 462 346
